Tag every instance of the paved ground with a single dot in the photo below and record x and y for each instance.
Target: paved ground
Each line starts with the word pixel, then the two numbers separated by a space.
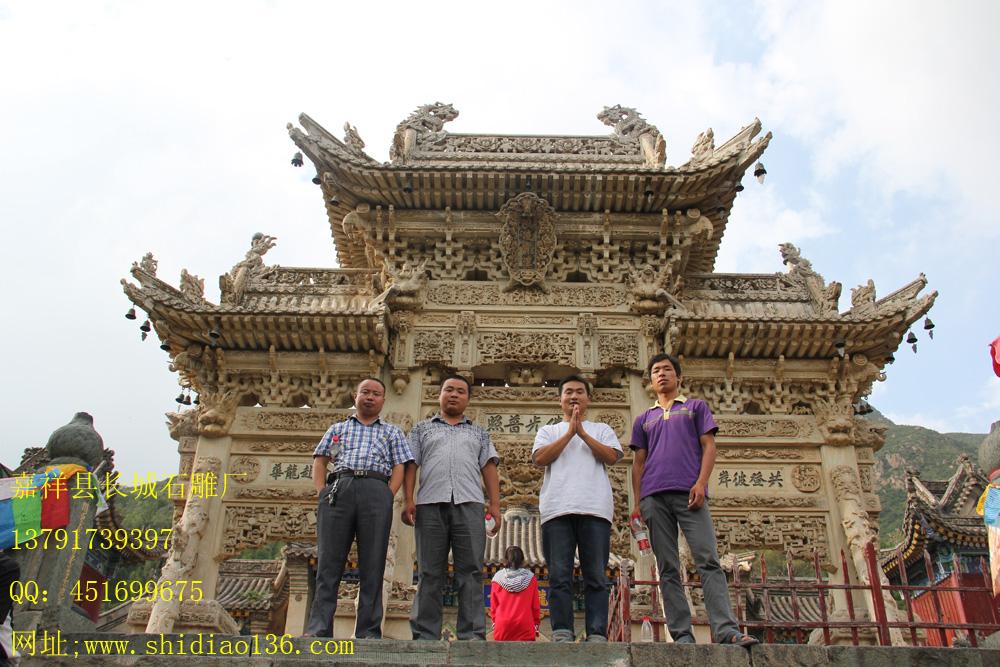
pixel 88 650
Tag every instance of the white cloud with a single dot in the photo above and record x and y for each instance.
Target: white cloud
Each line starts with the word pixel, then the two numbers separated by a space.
pixel 903 93
pixel 760 221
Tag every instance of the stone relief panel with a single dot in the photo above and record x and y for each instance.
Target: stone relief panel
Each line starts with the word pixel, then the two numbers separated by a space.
pixel 748 426
pixel 267 446
pixel 618 350
pixel 776 502
pixel 806 478
pixel 520 479
pixel 796 533
pixel 257 525
pixel 292 420
pixel 435 346
pixel 616 421
pixel 490 294
pixel 563 321
pixel 535 347
pixel 531 395
pixel 621 536
pixel 295 495
pixel 865 474
pixel 244 469
pixel 724 453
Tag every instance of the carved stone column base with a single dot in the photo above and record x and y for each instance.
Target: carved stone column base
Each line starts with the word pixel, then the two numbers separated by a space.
pixel 194 617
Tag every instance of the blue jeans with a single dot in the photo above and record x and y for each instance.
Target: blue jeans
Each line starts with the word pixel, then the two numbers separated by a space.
pixel 561 538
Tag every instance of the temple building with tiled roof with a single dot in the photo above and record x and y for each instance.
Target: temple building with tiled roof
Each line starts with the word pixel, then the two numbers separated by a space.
pixel 516 260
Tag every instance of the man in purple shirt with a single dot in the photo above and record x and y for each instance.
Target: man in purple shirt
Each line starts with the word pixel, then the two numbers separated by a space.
pixel 674 444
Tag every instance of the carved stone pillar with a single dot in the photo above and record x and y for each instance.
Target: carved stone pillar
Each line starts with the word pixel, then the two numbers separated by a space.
pixel 194 541
pixel 850 529
pixel 298 595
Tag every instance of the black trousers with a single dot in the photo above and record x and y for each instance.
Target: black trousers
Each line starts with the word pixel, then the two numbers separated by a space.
pixel 363 511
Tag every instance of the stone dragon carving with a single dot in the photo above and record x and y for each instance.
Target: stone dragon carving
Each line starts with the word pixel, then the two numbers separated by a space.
pixel 425 124
pixel 824 297
pixel 631 127
pixel 233 285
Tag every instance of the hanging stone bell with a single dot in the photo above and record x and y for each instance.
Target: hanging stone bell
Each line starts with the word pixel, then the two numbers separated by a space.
pixel 929 327
pixel 297 160
pixel 130 315
pixel 180 398
pixel 145 327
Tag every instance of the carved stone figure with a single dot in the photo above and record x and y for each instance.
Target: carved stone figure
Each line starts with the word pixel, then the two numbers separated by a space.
pixel 527 239
pixel 405 288
pixel 863 297
pixel 76 442
pixel 148 264
pixel 630 126
pixel 704 146
pixel 233 284
pixel 182 424
pixel 192 287
pixel 649 293
pixel 352 139
pixel 825 297
pixel 626 121
pixel 216 413
pixel 425 125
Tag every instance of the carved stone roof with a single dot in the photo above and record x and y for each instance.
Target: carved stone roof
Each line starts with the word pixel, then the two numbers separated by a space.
pixel 290 309
pixel 767 316
pixel 940 511
pixel 433 169
pixel 251 585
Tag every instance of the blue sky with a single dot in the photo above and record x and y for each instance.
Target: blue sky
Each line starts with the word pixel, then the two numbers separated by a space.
pixel 138 126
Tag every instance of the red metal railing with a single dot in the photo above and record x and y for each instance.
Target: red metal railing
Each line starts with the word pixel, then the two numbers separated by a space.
pixel 933 613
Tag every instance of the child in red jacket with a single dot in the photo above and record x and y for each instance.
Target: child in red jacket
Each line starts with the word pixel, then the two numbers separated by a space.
pixel 514 603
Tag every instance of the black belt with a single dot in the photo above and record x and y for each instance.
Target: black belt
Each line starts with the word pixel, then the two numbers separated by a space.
pixel 357 473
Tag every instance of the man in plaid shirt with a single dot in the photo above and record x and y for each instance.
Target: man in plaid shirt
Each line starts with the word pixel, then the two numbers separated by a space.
pixel 355 501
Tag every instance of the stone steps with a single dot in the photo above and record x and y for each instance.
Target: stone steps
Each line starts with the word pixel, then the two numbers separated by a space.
pixel 302 652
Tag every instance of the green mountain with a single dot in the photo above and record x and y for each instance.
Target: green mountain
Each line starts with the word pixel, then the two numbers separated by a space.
pixel 933 454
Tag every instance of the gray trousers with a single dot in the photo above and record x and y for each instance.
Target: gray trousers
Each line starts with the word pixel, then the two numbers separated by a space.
pixel 663 514
pixel 363 511
pixel 460 528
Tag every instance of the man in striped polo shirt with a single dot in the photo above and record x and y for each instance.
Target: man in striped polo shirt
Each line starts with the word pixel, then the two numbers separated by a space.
pixel 355 501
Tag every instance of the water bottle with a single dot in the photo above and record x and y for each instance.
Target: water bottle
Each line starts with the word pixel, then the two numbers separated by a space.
pixel 491 523
pixel 646 635
pixel 641 535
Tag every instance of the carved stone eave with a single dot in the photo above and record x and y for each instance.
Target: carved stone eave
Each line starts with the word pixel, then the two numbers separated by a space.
pixel 322 148
pixel 311 323
pixel 465 180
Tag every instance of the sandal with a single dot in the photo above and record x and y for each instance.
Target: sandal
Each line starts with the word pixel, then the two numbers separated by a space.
pixel 746 641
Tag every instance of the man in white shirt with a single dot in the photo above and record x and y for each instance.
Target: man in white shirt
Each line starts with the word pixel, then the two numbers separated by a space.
pixel 576 508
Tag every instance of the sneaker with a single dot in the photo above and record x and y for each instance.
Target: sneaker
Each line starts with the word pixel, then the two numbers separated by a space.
pixel 599 639
pixel 562 636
